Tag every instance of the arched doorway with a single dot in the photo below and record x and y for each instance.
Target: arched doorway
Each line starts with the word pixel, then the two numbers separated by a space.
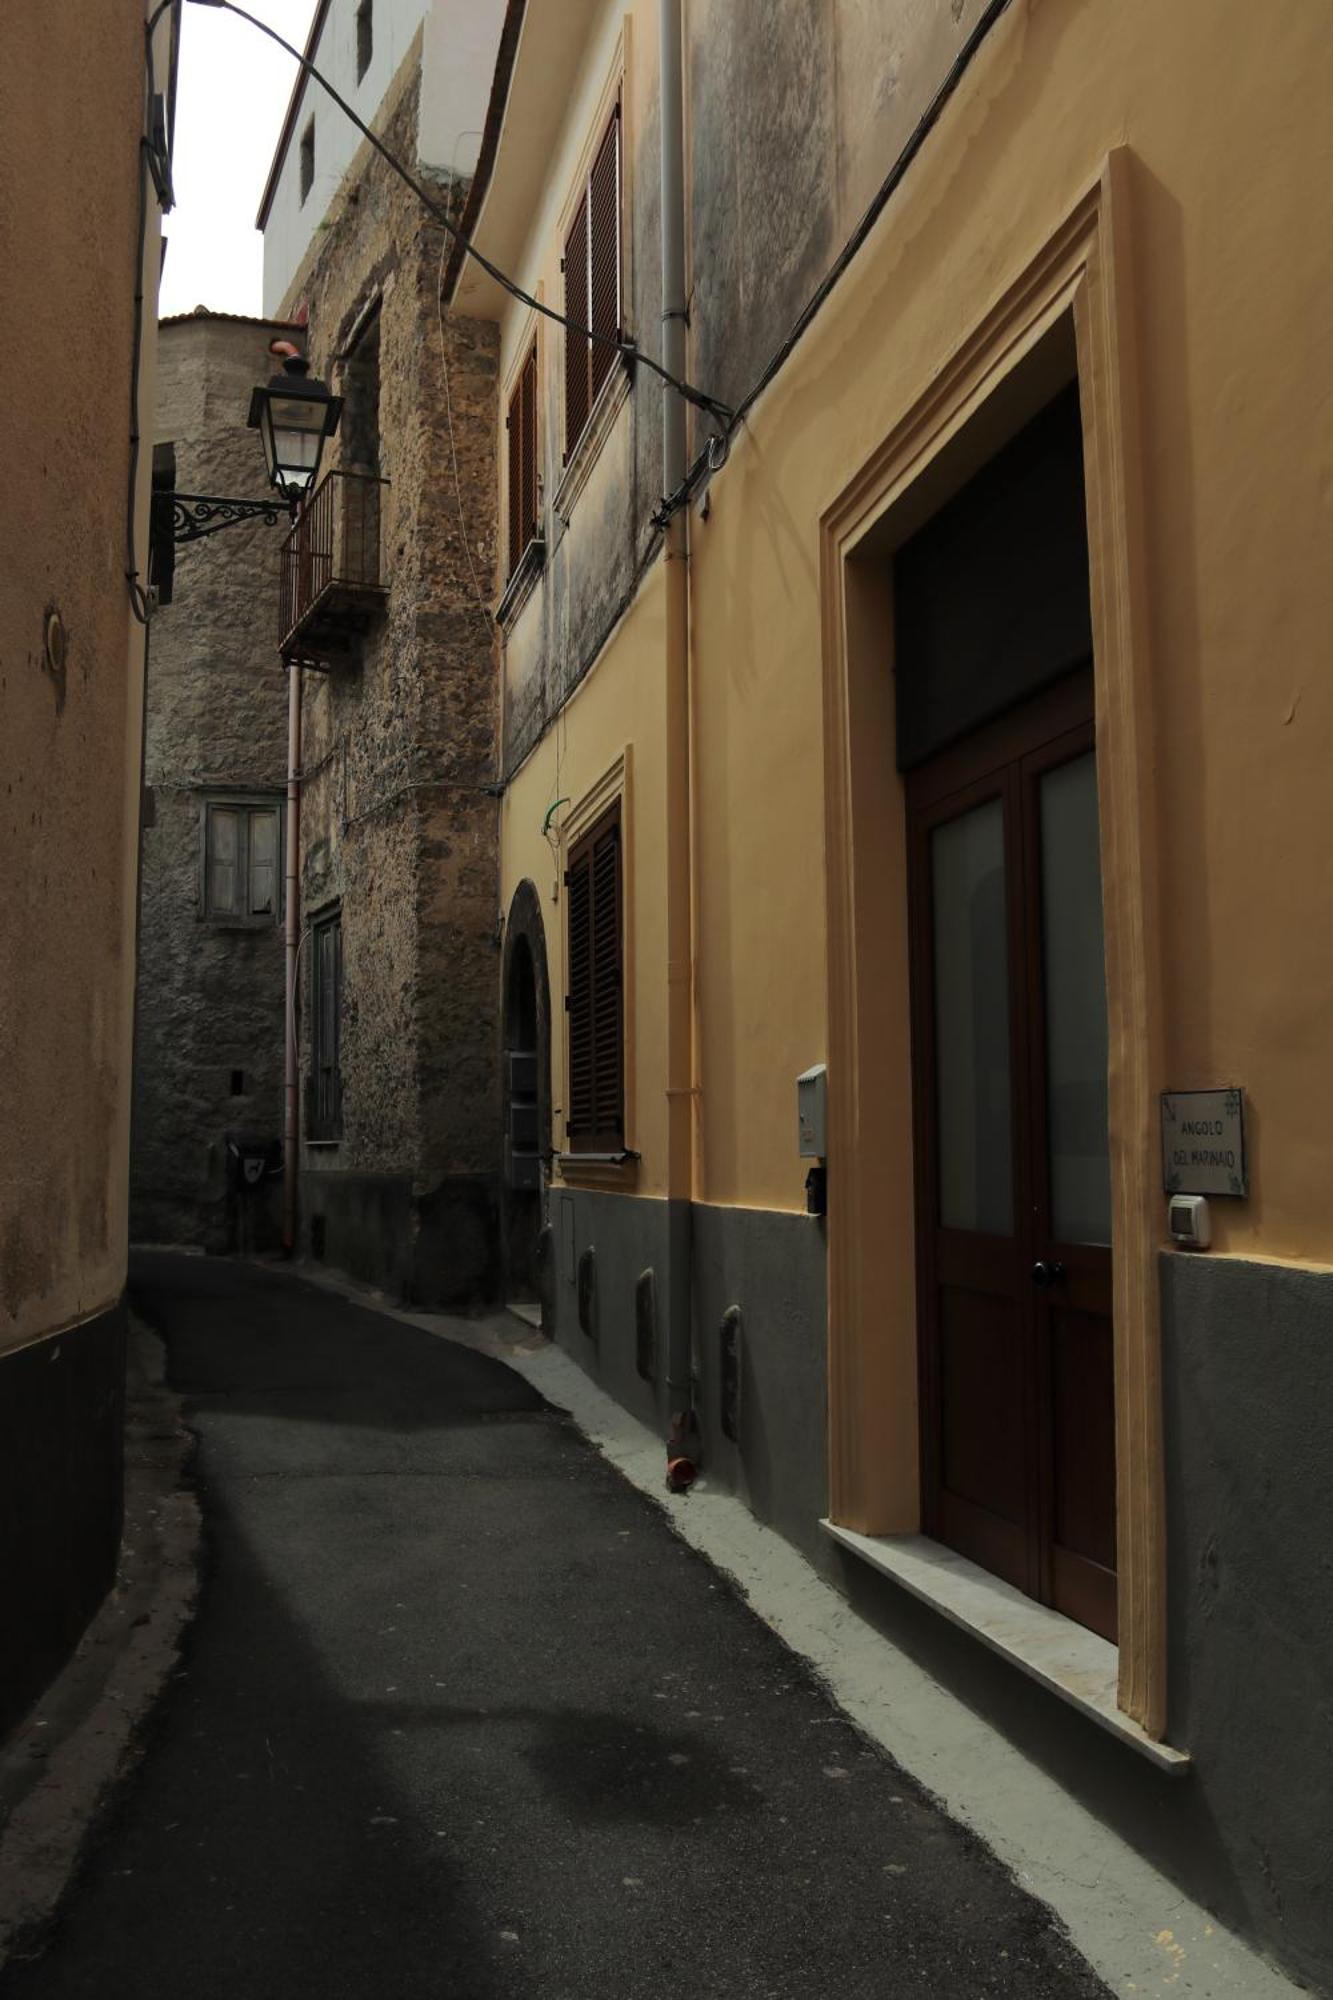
pixel 527 1095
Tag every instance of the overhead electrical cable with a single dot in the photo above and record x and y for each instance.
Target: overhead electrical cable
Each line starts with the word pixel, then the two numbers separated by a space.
pixel 628 349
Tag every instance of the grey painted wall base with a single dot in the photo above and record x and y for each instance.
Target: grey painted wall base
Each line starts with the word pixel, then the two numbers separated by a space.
pixel 1248 1391
pixel 1248 1375
pixel 62 1468
pixel 431 1246
pixel 771 1266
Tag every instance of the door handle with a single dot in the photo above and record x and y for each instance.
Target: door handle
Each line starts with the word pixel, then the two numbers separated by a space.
pixel 1045 1274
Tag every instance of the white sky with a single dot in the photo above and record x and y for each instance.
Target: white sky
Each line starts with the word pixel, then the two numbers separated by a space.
pixel 232 92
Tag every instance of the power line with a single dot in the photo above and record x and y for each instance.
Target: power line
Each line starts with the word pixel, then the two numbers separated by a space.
pixel 627 348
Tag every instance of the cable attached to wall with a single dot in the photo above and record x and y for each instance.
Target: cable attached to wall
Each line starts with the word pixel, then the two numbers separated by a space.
pixel 629 350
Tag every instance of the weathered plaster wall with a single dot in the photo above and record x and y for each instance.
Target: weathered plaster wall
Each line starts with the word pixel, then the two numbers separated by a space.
pixel 599 537
pixel 619 706
pixel 399 752
pixel 71 102
pixel 785 156
pixel 210 994
pixel 70 735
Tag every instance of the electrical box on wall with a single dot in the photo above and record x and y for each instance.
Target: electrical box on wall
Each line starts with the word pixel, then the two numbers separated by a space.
pixel 1188 1220
pixel 812 1112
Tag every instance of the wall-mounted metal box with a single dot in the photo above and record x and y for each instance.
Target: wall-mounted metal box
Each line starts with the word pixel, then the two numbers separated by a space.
pixel 812 1112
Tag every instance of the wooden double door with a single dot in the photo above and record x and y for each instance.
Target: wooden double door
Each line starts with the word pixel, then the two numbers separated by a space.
pixel 1013 1175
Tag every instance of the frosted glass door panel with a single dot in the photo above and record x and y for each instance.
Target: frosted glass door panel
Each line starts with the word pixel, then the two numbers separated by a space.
pixel 1075 974
pixel 975 1118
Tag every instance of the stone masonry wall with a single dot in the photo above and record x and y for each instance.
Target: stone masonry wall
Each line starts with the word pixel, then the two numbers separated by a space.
pixel 400 825
pixel 210 995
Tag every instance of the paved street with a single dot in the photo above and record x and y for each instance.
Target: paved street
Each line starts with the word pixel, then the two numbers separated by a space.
pixel 460 1716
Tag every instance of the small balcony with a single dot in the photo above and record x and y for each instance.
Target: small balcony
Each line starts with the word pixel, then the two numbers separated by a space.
pixel 331 582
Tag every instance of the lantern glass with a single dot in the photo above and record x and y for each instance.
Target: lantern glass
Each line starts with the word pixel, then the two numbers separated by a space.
pixel 293 416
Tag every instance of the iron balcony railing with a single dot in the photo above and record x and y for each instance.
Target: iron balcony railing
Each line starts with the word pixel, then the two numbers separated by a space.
pixel 331 573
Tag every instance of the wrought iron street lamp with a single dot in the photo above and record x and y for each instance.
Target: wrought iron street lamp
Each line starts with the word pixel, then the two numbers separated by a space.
pixel 294 415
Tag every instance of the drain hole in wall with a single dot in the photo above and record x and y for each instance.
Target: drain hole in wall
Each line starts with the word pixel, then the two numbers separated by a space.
pixel 588 1293
pixel 729 1374
pixel 238 1083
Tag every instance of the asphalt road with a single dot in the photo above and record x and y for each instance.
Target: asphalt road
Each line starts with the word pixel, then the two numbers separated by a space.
pixel 460 1717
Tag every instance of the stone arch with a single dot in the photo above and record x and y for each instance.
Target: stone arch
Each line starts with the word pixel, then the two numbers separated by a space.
pixel 526 1030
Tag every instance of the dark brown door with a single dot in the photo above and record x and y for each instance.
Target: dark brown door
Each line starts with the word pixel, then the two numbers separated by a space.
pixel 1013 1176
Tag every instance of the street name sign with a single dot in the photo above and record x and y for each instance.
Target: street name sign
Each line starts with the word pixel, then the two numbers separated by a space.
pixel 1203 1142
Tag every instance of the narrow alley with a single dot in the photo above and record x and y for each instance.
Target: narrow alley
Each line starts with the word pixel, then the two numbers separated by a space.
pixel 453 1695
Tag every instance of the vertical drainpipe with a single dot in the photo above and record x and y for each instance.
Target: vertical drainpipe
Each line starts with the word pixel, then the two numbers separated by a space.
pixel 292 933
pixel 682 1440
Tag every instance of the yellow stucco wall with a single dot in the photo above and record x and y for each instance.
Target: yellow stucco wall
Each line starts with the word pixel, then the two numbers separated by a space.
pixel 70 119
pixel 619 707
pixel 1223 110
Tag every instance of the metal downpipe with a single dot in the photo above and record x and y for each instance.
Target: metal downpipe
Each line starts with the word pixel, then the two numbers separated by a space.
pixel 292 935
pixel 683 1432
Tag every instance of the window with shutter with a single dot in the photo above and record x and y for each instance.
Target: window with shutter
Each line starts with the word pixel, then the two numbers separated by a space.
pixel 522 428
pixel 242 861
pixel 263 862
pixel 325 1098
pixel 592 284
pixel 224 847
pixel 595 1122
pixel 577 402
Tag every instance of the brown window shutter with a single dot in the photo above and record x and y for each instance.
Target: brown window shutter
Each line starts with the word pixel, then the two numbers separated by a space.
pixel 604 259
pixel 581 1120
pixel 608 1037
pixel 515 429
pixel 577 399
pixel 528 449
pixel 596 1119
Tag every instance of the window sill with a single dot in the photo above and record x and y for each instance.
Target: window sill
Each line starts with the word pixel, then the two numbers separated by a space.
pixel 597 1169
pixel 601 417
pixel 1073 1663
pixel 520 585
pixel 321 1145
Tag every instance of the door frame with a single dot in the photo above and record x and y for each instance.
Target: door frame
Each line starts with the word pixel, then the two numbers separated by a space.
pixel 1070 312
pixel 1003 761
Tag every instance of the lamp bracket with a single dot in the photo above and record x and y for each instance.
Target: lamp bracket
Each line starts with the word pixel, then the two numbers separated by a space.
pixel 194 515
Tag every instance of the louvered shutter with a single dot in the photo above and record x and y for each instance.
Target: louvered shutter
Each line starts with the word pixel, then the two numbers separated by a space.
pixel 577 401
pixel 596 1119
pixel 606 987
pixel 515 427
pixel 263 863
pixel 223 840
pixel 581 1118
pixel 528 448
pixel 604 254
